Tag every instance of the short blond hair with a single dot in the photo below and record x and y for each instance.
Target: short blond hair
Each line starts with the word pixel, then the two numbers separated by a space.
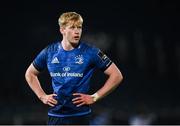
pixel 67 17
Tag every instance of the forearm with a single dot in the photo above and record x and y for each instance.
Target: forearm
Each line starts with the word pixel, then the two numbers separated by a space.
pixel 114 79
pixel 34 84
pixel 111 83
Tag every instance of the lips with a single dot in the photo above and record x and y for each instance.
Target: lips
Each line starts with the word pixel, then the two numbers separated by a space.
pixel 76 37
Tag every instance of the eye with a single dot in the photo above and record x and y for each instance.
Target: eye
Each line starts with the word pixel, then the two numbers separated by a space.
pixel 79 27
pixel 72 27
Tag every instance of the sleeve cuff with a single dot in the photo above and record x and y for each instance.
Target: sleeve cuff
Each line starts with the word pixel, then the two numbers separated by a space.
pixel 107 65
pixel 37 68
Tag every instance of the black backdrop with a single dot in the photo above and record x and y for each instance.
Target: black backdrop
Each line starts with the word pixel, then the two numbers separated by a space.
pixel 141 37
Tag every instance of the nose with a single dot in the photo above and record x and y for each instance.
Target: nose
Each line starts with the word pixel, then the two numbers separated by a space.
pixel 77 30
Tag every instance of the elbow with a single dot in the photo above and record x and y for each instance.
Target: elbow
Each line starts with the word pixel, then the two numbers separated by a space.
pixel 27 75
pixel 30 75
pixel 119 77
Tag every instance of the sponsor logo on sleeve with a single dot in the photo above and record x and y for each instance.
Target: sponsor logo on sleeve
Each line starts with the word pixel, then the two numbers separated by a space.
pixel 102 56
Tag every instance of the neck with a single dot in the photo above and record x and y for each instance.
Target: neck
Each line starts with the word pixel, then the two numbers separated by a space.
pixel 68 46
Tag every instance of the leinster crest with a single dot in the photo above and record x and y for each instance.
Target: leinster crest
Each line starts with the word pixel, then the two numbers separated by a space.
pixel 79 59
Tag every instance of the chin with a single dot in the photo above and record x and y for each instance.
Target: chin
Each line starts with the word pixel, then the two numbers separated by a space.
pixel 75 42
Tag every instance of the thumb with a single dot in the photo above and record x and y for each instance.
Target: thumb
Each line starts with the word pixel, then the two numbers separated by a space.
pixel 54 94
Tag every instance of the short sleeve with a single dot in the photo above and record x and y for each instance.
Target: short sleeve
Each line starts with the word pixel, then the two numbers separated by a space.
pixel 40 61
pixel 101 60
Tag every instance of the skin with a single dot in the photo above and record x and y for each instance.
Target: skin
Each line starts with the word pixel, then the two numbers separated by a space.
pixel 32 79
pixel 71 35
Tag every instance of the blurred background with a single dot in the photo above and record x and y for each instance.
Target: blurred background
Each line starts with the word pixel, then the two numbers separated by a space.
pixel 141 37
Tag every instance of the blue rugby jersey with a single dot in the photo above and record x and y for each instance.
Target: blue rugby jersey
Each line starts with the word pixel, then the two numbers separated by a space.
pixel 70 72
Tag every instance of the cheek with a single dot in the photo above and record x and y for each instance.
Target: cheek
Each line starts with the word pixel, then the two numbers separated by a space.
pixel 67 33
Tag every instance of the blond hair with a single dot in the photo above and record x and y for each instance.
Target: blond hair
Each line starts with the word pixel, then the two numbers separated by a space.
pixel 67 17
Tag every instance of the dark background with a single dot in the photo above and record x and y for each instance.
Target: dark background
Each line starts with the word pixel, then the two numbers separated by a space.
pixel 141 37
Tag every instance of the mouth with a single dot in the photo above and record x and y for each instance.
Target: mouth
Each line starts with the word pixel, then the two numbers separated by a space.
pixel 76 37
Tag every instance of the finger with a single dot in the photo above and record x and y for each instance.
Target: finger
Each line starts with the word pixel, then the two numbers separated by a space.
pixel 50 104
pixel 53 101
pixel 77 98
pixel 54 94
pixel 77 102
pixel 77 94
pixel 80 104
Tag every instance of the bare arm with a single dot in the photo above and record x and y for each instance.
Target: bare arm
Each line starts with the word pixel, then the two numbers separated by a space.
pixel 114 79
pixel 31 76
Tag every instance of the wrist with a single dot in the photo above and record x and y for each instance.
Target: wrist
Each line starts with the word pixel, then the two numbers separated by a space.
pixel 95 97
pixel 41 96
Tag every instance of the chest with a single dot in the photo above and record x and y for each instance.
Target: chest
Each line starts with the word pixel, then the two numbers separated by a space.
pixel 59 61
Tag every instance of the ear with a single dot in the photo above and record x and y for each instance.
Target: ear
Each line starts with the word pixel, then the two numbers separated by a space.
pixel 61 30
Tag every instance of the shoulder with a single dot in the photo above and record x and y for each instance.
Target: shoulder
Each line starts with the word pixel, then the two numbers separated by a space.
pixel 53 47
pixel 89 47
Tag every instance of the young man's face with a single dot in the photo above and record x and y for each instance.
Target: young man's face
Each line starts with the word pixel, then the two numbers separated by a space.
pixel 72 32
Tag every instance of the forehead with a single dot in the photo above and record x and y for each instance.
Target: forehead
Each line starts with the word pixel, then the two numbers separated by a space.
pixel 74 23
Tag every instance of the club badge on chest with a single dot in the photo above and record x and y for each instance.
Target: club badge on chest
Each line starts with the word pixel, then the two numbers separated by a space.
pixel 79 59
